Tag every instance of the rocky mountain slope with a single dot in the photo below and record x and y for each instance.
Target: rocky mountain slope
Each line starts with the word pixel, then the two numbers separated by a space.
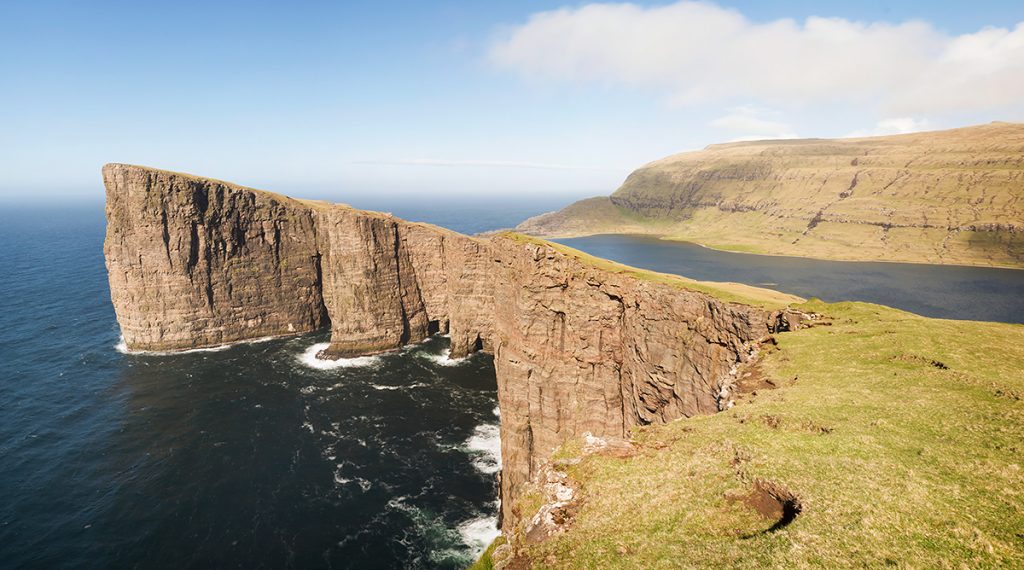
pixel 953 196
pixel 580 345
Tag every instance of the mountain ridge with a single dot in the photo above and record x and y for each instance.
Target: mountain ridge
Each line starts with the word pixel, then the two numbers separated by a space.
pixel 949 197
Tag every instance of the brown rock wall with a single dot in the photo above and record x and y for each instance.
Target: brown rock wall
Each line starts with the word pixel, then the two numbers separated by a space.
pixel 577 349
pixel 195 262
pixel 580 349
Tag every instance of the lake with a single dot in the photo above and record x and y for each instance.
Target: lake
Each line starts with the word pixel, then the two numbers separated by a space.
pixel 942 291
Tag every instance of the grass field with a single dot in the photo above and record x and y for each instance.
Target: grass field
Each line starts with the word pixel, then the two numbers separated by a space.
pixel 898 438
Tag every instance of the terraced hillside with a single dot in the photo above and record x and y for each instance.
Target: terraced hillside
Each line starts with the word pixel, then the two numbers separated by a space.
pixel 954 197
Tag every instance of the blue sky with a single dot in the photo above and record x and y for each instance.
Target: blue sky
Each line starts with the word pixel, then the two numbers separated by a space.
pixel 336 99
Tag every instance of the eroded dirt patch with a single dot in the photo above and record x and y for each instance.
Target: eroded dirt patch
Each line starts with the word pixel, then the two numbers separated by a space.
pixel 773 502
pixel 921 360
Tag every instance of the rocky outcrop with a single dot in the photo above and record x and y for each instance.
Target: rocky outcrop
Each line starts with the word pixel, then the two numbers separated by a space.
pixel 196 262
pixel 578 348
pixel 953 196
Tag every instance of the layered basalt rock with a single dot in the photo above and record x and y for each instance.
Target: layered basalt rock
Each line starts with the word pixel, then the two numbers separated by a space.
pixel 577 348
pixel 195 262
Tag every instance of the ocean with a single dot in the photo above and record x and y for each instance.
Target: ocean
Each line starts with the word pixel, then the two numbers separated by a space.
pixel 259 456
pixel 255 456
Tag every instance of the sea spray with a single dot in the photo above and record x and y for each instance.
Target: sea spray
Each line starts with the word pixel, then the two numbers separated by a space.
pixel 485 447
pixel 445 359
pixel 478 533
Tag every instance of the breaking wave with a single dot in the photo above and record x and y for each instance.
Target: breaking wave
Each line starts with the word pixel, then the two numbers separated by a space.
pixel 444 359
pixel 479 533
pixel 308 358
pixel 122 347
pixel 485 446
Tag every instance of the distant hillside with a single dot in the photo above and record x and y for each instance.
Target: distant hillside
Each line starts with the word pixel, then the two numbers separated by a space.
pixel 953 197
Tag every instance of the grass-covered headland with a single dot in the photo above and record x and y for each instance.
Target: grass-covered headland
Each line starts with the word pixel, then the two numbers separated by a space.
pixel 884 440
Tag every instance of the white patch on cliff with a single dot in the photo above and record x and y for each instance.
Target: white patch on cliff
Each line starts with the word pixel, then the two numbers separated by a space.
pixel 479 533
pixel 308 358
pixel 485 446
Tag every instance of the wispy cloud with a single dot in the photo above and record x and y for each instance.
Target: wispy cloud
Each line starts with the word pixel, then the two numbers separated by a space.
pixel 892 126
pixel 698 52
pixel 476 164
pixel 754 123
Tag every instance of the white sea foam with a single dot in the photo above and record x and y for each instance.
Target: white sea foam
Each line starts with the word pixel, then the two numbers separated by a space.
pixel 308 358
pixel 444 359
pixel 363 484
pixel 479 533
pixel 122 347
pixel 396 387
pixel 485 446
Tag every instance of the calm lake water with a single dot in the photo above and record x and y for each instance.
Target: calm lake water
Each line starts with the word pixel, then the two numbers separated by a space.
pixel 949 292
pixel 258 456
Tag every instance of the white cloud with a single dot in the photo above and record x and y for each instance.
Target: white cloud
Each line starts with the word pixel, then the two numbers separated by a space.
pixel 754 123
pixel 698 52
pixel 893 126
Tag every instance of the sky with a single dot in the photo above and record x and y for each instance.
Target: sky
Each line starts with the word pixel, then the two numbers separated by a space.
pixel 448 99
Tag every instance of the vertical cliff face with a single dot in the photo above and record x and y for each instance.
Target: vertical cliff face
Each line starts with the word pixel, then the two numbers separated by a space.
pixel 577 348
pixel 196 262
pixel 370 286
pixel 388 282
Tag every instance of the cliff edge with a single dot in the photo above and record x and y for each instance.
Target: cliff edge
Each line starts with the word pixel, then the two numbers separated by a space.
pixel 580 345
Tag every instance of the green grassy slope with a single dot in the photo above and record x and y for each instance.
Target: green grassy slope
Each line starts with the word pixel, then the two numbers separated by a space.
pixel 901 438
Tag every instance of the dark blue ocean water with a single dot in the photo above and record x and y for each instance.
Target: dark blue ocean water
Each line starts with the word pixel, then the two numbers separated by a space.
pixel 250 457
pixel 253 457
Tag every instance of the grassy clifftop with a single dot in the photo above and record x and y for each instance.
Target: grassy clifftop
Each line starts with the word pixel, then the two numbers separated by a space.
pixel 886 439
pixel 723 290
pixel 953 196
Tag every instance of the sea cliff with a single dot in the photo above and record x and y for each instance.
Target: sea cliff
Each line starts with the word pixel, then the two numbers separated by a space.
pixel 580 345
